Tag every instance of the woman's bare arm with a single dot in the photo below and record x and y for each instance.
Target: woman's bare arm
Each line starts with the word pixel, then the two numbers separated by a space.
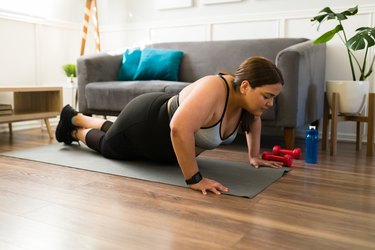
pixel 198 108
pixel 253 144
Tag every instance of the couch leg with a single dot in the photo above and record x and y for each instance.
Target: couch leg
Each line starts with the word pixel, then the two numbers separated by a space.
pixel 289 137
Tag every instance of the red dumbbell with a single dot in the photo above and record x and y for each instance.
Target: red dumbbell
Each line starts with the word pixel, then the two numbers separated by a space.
pixel 286 159
pixel 295 153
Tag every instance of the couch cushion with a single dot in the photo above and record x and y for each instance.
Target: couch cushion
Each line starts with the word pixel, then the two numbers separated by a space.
pixel 113 96
pixel 211 57
pixel 175 88
pixel 129 65
pixel 159 64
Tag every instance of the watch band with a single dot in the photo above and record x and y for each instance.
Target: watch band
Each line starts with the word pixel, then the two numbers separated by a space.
pixel 197 177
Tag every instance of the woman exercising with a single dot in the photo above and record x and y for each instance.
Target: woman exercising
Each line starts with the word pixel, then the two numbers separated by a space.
pixel 166 128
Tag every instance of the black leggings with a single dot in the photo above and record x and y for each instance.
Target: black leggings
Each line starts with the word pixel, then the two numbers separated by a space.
pixel 140 131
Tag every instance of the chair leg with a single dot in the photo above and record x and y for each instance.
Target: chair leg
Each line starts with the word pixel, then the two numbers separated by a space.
pixel 371 124
pixel 358 136
pixel 335 103
pixel 10 128
pixel 325 124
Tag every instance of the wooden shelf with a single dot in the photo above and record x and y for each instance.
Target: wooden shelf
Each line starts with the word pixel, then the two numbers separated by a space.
pixel 33 103
pixel 27 117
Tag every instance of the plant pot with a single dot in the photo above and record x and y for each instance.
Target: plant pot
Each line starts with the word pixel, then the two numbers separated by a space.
pixel 352 95
pixel 72 81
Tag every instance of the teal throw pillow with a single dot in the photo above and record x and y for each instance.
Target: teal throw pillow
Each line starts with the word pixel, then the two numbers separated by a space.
pixel 130 61
pixel 159 64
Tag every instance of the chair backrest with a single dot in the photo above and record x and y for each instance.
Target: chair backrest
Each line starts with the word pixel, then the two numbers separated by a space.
pixel 211 57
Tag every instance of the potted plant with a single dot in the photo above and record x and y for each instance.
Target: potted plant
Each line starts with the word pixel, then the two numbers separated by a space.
pixel 71 73
pixel 363 39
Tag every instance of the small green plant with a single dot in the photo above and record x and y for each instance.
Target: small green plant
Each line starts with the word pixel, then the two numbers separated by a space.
pixel 363 39
pixel 70 70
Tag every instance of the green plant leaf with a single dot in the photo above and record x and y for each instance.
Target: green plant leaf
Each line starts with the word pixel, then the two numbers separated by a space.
pixel 365 37
pixel 331 16
pixel 328 35
pixel 351 11
pixel 318 18
pixel 356 44
pixel 326 10
pixel 70 70
pixel 328 14
pixel 341 16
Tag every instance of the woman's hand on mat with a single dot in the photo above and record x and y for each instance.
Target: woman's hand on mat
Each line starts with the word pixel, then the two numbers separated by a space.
pixel 209 185
pixel 257 162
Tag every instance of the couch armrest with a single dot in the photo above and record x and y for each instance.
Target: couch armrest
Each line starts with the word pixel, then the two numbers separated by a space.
pixel 302 98
pixel 98 67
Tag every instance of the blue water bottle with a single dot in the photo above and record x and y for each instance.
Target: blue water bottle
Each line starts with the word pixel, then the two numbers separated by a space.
pixel 312 140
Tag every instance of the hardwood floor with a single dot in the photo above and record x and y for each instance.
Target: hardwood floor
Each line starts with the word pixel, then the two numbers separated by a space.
pixel 330 205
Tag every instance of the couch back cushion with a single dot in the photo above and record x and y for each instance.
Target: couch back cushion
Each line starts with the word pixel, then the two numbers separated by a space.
pixel 129 65
pixel 211 57
pixel 159 64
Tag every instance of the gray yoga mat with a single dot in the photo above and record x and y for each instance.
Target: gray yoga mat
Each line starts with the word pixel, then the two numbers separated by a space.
pixel 241 179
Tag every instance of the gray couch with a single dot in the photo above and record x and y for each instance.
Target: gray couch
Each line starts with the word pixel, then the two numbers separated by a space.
pixel 301 62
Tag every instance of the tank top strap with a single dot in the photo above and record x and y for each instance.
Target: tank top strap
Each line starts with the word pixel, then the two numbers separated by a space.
pixel 221 75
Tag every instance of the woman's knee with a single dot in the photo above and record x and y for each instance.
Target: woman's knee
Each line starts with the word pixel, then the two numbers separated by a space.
pixel 106 126
pixel 94 138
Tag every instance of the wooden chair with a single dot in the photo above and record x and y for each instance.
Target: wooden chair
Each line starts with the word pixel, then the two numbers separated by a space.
pixel 336 117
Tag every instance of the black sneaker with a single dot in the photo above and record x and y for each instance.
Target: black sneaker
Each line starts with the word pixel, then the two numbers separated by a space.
pixel 65 127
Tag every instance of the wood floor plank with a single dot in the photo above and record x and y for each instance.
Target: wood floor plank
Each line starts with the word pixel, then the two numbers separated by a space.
pixel 9 246
pixel 15 203
pixel 156 230
pixel 330 205
pixel 28 234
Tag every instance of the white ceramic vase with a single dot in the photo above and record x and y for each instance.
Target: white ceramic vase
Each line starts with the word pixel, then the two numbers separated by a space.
pixel 352 95
pixel 72 81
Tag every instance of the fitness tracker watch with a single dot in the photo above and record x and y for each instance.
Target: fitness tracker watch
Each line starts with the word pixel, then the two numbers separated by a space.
pixel 194 179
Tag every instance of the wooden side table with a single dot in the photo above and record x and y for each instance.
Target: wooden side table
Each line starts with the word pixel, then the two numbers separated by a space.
pixel 33 103
pixel 336 117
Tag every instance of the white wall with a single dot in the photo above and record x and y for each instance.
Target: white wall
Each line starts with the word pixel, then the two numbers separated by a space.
pixel 147 11
pixel 38 37
pixel 244 19
pixel 63 10
pixel 241 20
pixel 42 35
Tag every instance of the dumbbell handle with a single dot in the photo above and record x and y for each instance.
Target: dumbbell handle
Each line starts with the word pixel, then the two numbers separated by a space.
pixel 286 159
pixel 296 153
